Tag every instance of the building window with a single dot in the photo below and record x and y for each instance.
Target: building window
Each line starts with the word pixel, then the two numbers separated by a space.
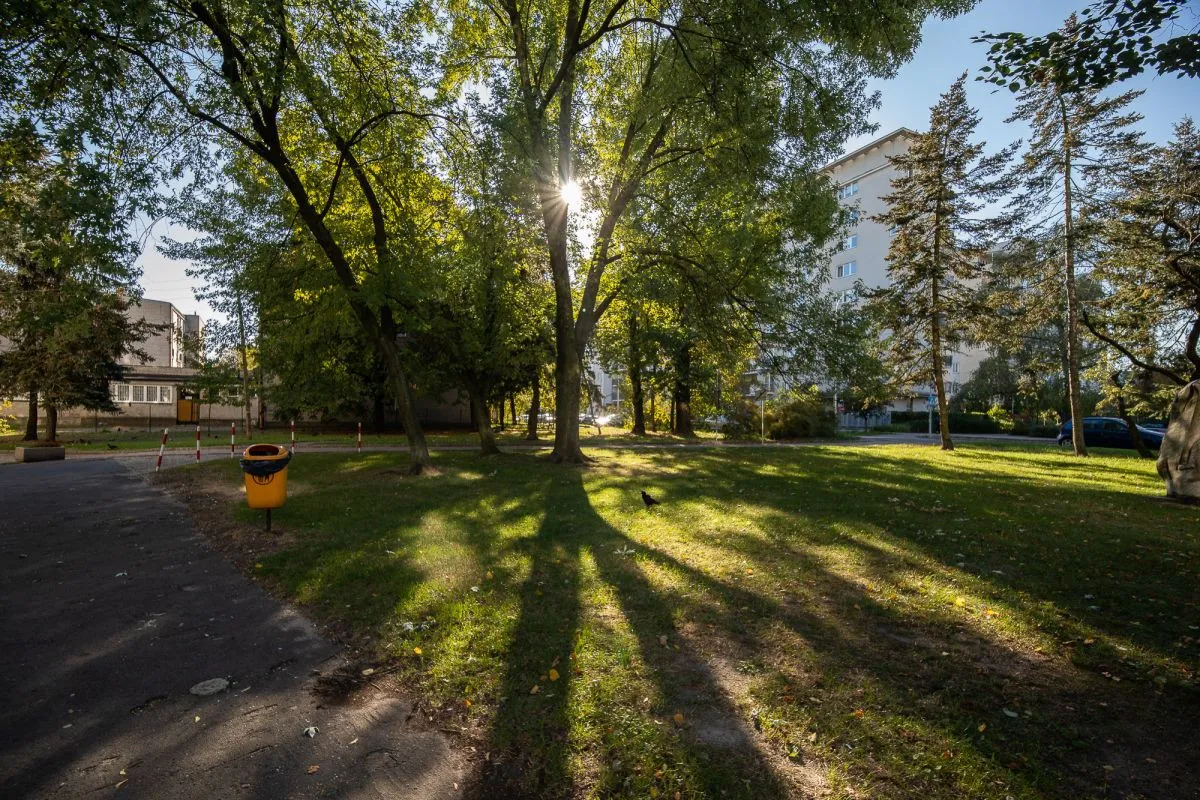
pixel 847 269
pixel 849 190
pixel 850 242
pixel 138 394
pixel 164 394
pixel 848 297
pixel 120 392
pixel 854 216
pixel 616 392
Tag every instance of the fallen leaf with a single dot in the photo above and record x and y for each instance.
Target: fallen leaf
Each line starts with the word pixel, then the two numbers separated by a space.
pixel 1011 714
pixel 417 650
pixel 354 740
pixel 553 674
pixel 678 718
pixel 982 727
pixel 490 575
pixel 368 672
pixel 258 566
pixel 654 791
pixel 314 769
pixel 535 689
pixel 1089 641
pixel 858 712
pixel 197 718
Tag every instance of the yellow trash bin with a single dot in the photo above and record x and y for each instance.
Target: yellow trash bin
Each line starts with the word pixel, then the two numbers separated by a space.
pixel 265 473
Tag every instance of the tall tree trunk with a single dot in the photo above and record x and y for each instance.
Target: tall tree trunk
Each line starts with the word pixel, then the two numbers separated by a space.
pixel 1135 436
pixel 671 415
pixel 939 380
pixel 683 392
pixel 1073 386
pixel 653 413
pixel 535 408
pixel 635 376
pixel 51 422
pixel 483 422
pixel 31 421
pixel 512 408
pixel 418 451
pixel 378 410
pixel 245 365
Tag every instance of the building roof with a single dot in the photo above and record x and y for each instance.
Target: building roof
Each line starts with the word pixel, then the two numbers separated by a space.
pixel 882 140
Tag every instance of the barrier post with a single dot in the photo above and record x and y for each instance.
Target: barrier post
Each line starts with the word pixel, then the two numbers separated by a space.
pixel 197 444
pixel 161 448
pixel 293 436
pixel 360 438
pixel 232 437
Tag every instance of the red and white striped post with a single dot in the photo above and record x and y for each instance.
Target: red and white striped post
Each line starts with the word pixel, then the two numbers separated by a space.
pixel 293 436
pixel 360 438
pixel 232 437
pixel 197 444
pixel 161 448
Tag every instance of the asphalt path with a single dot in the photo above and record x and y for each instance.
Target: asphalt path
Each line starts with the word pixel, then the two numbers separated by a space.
pixel 113 608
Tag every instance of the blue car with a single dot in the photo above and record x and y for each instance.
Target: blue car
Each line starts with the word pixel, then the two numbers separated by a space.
pixel 1110 432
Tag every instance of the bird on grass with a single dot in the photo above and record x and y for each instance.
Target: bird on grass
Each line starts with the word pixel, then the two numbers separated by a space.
pixel 111 446
pixel 648 500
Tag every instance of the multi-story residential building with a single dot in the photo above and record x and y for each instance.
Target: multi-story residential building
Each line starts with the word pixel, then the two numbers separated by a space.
pixel 864 178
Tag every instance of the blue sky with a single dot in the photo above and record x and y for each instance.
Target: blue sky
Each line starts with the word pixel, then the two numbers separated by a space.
pixel 946 50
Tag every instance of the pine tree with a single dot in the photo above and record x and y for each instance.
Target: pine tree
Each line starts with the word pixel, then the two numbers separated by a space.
pixel 1079 141
pixel 1148 261
pixel 934 261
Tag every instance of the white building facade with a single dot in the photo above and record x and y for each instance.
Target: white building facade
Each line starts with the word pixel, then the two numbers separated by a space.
pixel 864 178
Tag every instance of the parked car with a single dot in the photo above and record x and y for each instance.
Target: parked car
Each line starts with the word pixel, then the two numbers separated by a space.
pixel 715 423
pixel 610 420
pixel 1110 432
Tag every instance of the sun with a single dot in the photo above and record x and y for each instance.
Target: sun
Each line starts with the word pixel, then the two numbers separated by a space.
pixel 572 195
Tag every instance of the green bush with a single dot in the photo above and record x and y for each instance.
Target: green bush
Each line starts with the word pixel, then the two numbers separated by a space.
pixel 741 421
pixel 962 422
pixel 801 414
pixel 1000 416
pixel 1024 427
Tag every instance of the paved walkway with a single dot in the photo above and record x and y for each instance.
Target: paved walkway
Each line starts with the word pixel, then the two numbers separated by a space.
pixel 113 606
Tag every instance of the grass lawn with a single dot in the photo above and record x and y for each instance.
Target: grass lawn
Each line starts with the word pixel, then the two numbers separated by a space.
pixel 882 622
pixel 184 437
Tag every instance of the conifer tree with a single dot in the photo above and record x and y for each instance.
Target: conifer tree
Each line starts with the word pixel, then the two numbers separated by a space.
pixel 1079 142
pixel 1148 262
pixel 935 259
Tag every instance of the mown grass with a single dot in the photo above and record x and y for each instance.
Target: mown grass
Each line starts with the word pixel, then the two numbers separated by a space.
pixel 216 435
pixel 885 622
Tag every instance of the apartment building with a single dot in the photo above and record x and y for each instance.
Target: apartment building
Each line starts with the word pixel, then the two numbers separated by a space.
pixel 864 178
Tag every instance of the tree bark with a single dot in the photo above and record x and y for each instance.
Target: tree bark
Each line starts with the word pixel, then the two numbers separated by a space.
pixel 1073 387
pixel 939 380
pixel 245 365
pixel 637 400
pixel 535 409
pixel 31 421
pixel 512 408
pixel 51 422
pixel 683 392
pixel 1134 435
pixel 483 423
pixel 653 413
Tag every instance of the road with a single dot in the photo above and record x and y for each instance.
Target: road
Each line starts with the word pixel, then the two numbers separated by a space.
pixel 114 607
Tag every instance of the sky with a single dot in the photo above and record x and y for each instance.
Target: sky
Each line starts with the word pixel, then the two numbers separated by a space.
pixel 945 51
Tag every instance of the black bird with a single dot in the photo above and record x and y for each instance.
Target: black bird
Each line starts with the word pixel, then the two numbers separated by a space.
pixel 111 446
pixel 648 500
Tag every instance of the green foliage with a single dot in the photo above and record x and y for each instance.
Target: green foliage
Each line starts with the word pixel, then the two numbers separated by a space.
pixel 1112 40
pixel 801 414
pixel 66 274
pixel 1147 261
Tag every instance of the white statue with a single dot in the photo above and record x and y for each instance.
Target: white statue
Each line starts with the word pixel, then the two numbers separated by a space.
pixel 1179 455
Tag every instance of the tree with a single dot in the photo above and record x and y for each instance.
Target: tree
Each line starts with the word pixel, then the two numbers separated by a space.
pixel 1113 41
pixel 1080 142
pixel 663 83
pixel 1147 260
pixel 326 103
pixel 936 258
pixel 66 276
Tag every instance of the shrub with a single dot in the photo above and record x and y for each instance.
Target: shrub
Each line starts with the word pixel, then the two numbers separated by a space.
pixel 1000 416
pixel 801 414
pixel 741 421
